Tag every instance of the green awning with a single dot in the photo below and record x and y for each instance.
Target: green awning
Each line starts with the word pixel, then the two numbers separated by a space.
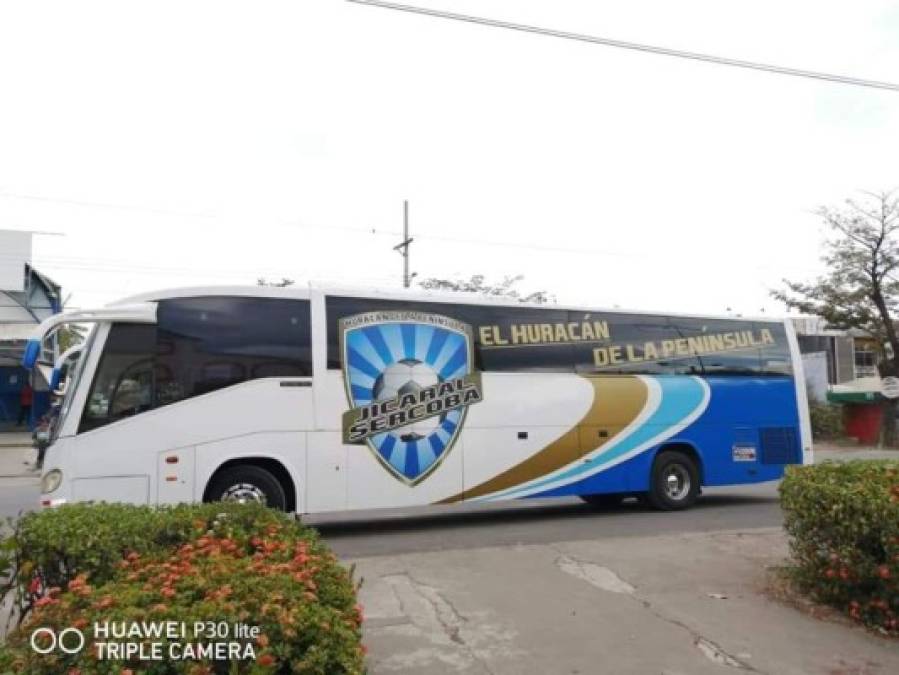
pixel 855 396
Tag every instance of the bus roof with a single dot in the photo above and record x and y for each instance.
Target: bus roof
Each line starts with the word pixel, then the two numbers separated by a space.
pixel 304 292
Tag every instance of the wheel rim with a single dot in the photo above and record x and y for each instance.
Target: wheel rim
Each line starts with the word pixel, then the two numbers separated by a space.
pixel 677 482
pixel 244 493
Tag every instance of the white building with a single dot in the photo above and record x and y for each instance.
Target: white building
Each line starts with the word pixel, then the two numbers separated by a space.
pixel 26 298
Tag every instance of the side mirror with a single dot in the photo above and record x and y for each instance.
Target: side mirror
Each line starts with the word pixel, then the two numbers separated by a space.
pixel 32 354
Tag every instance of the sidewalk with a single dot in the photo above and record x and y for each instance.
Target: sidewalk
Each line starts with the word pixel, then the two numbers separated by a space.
pixel 17 456
pixel 14 438
pixel 676 605
pixel 831 451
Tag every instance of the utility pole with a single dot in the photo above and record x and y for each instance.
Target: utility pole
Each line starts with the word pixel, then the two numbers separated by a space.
pixel 403 246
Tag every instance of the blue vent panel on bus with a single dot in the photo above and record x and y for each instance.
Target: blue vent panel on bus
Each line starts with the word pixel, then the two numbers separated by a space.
pixel 780 445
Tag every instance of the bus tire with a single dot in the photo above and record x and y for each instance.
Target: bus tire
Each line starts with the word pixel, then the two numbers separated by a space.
pixel 603 501
pixel 674 482
pixel 248 483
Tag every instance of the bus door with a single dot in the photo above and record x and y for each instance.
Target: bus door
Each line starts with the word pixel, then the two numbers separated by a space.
pixel 119 381
pixel 618 401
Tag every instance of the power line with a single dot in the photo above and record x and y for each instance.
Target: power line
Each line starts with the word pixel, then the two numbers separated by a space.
pixel 132 266
pixel 544 248
pixel 664 51
pixel 104 205
pixel 342 228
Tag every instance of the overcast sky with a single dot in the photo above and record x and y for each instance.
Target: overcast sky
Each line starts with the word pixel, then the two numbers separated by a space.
pixel 179 143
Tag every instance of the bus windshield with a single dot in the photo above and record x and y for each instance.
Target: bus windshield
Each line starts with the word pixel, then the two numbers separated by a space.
pixel 71 387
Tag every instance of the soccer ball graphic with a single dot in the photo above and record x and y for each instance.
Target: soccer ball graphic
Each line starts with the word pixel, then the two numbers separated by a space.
pixel 408 376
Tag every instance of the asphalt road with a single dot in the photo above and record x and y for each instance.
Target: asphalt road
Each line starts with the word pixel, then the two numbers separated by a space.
pixel 18 494
pixel 357 534
pixel 361 534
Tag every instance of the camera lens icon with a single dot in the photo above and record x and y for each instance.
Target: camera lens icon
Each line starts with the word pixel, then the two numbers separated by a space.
pixel 69 640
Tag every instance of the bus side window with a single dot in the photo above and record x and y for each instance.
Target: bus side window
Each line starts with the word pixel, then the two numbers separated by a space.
pixel 209 343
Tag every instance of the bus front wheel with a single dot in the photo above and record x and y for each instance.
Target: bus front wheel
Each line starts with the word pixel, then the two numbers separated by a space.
pixel 246 484
pixel 674 483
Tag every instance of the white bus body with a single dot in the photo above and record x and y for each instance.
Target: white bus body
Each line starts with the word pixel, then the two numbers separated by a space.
pixel 533 425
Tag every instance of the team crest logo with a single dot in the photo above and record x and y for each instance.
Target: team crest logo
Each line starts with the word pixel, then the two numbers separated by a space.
pixel 409 379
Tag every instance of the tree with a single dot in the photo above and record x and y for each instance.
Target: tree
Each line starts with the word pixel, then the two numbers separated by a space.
pixel 505 288
pixel 70 335
pixel 860 288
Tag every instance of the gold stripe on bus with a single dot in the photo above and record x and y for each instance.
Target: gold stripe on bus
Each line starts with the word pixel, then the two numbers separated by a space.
pixel 617 401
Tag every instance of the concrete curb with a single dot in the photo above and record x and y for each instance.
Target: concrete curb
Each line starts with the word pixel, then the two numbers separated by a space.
pixel 19 440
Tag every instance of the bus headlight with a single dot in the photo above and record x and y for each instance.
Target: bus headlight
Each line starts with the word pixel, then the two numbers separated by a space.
pixel 51 480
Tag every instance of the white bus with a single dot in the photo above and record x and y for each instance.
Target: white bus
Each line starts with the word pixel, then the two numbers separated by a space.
pixel 320 399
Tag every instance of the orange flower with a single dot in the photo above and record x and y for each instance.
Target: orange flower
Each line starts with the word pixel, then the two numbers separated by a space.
pixel 78 582
pixel 266 660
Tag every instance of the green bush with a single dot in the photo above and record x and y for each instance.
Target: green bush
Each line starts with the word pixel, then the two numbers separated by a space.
pixel 827 420
pixel 843 521
pixel 55 546
pixel 229 563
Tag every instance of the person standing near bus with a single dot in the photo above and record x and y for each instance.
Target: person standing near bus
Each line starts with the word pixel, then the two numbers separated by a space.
pixel 26 398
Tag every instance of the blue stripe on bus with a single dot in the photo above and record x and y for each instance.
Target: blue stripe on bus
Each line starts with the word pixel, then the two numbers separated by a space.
pixel 361 394
pixel 358 361
pixel 386 446
pixel 374 336
pixel 455 362
pixel 423 336
pixel 393 338
pixel 411 468
pixel 426 456
pixel 437 341
pixel 680 397
pixel 408 340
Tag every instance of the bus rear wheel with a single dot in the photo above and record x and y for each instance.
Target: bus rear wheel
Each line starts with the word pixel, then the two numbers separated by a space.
pixel 248 484
pixel 674 483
